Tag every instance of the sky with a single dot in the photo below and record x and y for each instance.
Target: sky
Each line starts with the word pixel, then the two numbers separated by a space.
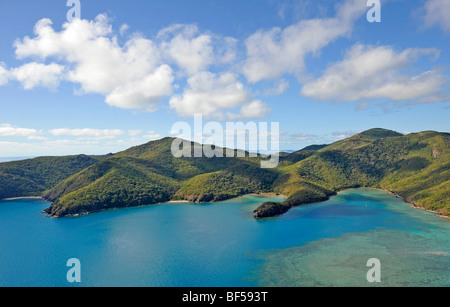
pixel 124 72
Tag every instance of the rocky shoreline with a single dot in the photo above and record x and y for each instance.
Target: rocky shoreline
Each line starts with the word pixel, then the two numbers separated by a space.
pixel 417 206
pixel 276 208
pixel 272 209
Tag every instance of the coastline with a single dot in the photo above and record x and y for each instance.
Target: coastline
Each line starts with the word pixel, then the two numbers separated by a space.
pixel 268 195
pixel 417 206
pixel 265 194
pixel 412 204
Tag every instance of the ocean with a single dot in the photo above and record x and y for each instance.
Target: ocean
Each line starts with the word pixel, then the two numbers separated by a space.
pixel 221 245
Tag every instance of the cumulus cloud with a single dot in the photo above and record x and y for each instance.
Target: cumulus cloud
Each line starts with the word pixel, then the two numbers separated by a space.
pixel 255 109
pixel 275 52
pixel 369 72
pixel 135 75
pixel 190 50
pixel 99 64
pixel 33 74
pixel 437 12
pixel 210 95
pixel 37 74
pixel 10 130
pixel 226 50
pixel 193 51
pixel 145 93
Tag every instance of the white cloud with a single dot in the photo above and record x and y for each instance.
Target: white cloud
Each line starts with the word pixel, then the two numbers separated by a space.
pixel 190 50
pixel 376 72
pixel 132 76
pixel 98 134
pixel 255 109
pixel 85 134
pixel 99 64
pixel 151 136
pixel 67 141
pixel 4 74
pixel 10 130
pixel 210 94
pixel 37 74
pixel 47 147
pixel 193 51
pixel 145 93
pixel 226 50
pixel 124 28
pixel 135 132
pixel 437 12
pixel 37 138
pixel 275 52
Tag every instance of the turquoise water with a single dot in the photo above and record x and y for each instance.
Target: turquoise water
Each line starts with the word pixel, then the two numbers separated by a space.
pixel 221 245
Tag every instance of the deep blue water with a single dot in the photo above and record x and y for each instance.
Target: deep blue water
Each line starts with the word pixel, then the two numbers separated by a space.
pixel 222 245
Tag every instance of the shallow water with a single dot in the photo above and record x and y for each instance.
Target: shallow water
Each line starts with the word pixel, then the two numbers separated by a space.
pixel 222 245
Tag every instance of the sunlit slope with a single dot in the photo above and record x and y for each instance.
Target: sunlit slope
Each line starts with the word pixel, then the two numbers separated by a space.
pixel 415 166
pixel 150 174
pixel 33 176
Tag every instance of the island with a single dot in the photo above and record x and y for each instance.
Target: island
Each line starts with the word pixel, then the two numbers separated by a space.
pixel 415 167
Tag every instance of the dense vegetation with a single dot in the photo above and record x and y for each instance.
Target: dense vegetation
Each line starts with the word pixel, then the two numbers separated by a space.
pixel 149 174
pixel 235 181
pixel 34 176
pixel 306 193
pixel 415 166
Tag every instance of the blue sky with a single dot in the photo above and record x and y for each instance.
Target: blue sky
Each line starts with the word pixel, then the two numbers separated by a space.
pixel 128 70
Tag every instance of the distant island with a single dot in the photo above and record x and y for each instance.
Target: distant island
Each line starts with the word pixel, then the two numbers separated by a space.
pixel 415 167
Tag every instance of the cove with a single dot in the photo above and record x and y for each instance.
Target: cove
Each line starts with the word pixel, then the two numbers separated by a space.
pixel 324 244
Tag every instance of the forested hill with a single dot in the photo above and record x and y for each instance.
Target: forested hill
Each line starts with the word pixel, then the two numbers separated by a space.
pixel 415 166
pixel 33 177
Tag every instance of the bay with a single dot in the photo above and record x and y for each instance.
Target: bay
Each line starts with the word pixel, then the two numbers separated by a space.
pixel 221 245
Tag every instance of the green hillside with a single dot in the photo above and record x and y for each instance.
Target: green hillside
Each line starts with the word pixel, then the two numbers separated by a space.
pixel 113 183
pixel 244 178
pixel 34 176
pixel 415 166
pixel 149 174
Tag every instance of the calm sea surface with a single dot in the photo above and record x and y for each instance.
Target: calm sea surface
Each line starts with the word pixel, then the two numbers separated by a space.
pixel 325 244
